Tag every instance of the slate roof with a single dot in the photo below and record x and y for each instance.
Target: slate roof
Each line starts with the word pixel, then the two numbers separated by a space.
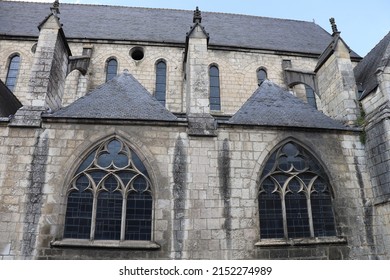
pixel 271 105
pixel 122 98
pixel 166 25
pixel 378 57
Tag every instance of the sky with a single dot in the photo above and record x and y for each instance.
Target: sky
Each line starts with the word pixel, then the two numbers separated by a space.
pixel 363 23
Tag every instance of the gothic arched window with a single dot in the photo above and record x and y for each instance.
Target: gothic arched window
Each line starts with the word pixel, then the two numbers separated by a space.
pixel 13 70
pixel 295 197
pixel 215 98
pixel 111 69
pixel 261 75
pixel 109 196
pixel 161 81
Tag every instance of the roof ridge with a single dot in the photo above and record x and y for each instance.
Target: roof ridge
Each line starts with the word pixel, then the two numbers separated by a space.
pixel 167 9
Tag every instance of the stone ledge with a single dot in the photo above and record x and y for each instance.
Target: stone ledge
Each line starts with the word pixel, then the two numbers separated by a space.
pixel 111 244
pixel 271 242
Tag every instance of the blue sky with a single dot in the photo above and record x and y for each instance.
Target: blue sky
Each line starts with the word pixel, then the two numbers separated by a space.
pixel 362 23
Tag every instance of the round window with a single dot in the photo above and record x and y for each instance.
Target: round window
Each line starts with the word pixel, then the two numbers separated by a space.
pixel 137 53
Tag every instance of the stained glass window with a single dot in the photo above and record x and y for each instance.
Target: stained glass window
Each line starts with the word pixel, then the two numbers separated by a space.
pixel 109 197
pixel 295 198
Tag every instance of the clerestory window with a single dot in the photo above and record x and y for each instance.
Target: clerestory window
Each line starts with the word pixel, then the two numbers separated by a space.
pixel 215 97
pixel 161 81
pixel 261 75
pixel 13 70
pixel 111 69
pixel 109 196
pixel 295 197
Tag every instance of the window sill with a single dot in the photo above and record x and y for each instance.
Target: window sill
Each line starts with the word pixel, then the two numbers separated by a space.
pixel 301 241
pixel 128 244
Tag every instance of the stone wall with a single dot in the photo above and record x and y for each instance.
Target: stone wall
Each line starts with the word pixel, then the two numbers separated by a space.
pixel 204 188
pixel 237 70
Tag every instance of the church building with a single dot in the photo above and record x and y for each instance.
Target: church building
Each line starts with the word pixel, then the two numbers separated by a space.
pixel 140 133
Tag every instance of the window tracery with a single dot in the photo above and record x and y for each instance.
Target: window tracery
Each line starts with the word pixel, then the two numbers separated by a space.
pixel 294 197
pixel 109 197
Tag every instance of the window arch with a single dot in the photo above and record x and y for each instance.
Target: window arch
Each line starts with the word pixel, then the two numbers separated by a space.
pixel 261 75
pixel 111 69
pixel 215 98
pixel 161 81
pixel 109 196
pixel 295 197
pixel 13 70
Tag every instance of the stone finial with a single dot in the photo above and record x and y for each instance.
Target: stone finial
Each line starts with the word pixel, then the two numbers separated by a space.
pixel 197 16
pixel 333 24
pixel 55 9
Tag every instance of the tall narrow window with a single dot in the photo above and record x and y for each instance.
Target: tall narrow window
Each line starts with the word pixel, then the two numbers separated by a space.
pixel 109 197
pixel 261 75
pixel 310 96
pixel 215 98
pixel 112 69
pixel 13 70
pixel 161 81
pixel 294 198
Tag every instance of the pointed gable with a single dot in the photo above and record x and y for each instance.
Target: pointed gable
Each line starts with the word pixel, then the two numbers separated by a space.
pixel 122 98
pixel 270 105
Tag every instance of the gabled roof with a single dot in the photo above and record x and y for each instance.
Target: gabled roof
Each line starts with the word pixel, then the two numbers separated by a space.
pixel 166 26
pixel 271 105
pixel 122 98
pixel 9 104
pixel 365 71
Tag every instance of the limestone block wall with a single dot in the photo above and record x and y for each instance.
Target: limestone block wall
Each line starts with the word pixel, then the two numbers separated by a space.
pixel 337 86
pixel 237 70
pixel 24 49
pixel 21 181
pixel 204 188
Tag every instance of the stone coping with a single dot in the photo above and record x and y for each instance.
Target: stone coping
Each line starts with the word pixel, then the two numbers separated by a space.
pixel 270 242
pixel 112 244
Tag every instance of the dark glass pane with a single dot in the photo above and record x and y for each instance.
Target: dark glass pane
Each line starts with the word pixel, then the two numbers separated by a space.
pixel 161 80
pixel 109 212
pixel 12 73
pixel 261 75
pixel 214 72
pixel 291 158
pixel 215 102
pixel 139 215
pixel 310 96
pixel 112 69
pixel 139 164
pixel 78 215
pixel 321 206
pixel 87 162
pixel 113 155
pixel 214 81
pixel 270 209
pixel 161 66
pixel 296 213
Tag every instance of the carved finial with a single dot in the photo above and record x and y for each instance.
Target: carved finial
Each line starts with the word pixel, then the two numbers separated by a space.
pixel 55 9
pixel 333 24
pixel 197 16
